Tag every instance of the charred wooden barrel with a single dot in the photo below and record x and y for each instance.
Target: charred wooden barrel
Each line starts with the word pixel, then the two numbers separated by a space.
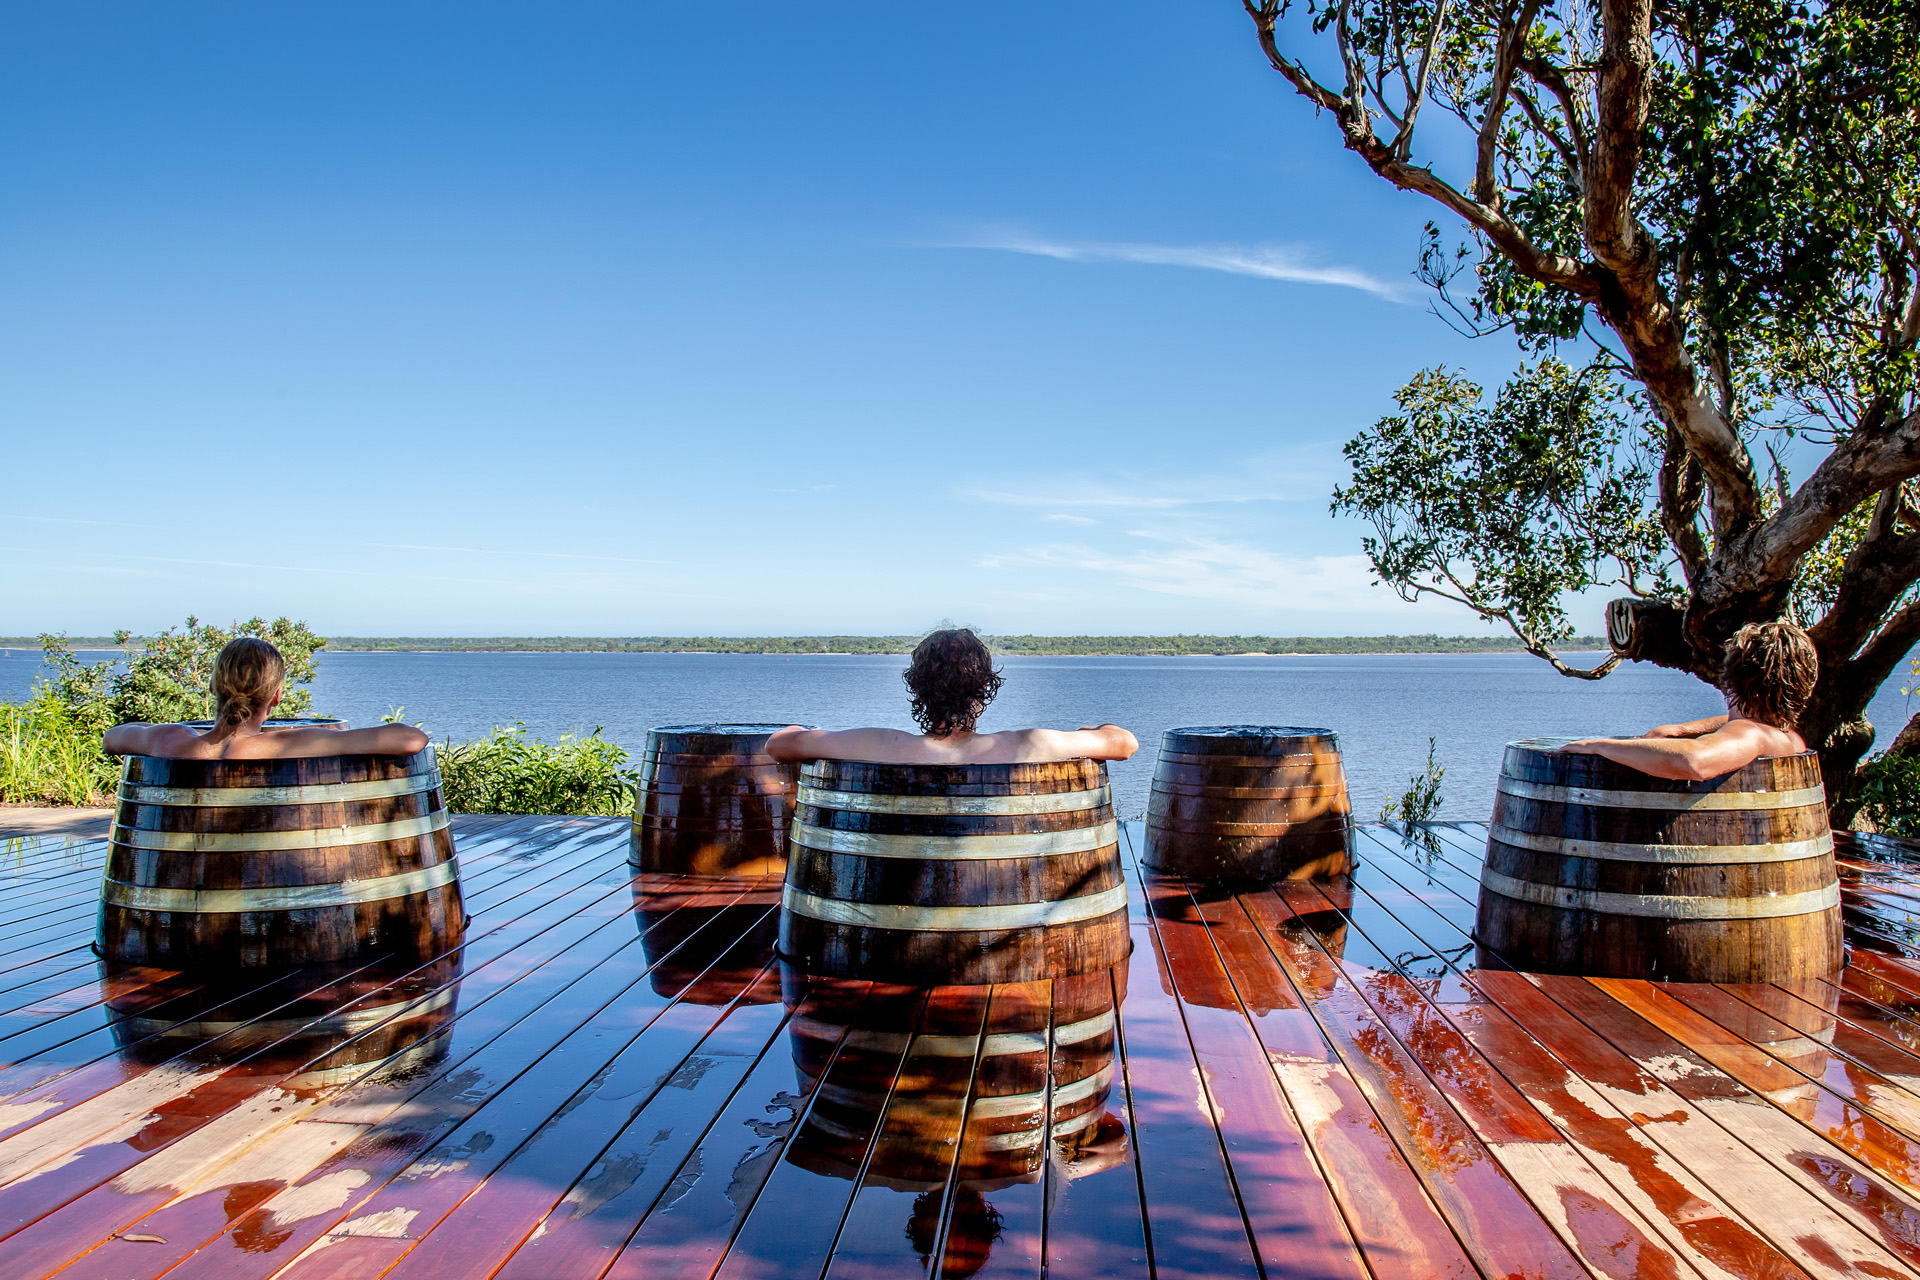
pixel 711 801
pixel 1249 802
pixel 318 1031
pixel 954 874
pixel 691 924
pixel 270 863
pixel 1598 869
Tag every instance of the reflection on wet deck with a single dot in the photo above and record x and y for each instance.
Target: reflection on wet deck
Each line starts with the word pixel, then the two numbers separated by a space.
pixel 615 1076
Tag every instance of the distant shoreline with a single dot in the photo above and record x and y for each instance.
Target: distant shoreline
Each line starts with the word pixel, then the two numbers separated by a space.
pixel 1179 646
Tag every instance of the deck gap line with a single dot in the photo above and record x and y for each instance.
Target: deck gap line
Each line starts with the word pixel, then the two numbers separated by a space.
pixel 1685 1250
pixel 1817 1137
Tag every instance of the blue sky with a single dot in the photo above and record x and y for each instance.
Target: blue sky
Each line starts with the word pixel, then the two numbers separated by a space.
pixel 640 319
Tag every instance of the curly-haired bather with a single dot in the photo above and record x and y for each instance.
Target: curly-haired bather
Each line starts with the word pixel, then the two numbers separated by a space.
pixel 951 679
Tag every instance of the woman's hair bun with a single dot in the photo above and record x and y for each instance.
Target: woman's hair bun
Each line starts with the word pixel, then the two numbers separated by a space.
pixel 246 676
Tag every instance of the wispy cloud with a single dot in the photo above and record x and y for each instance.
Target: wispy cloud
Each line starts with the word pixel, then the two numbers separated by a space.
pixel 493 551
pixel 1262 261
pixel 1304 472
pixel 1205 568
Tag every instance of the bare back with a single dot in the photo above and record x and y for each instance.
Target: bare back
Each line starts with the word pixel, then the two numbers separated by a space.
pixel 896 746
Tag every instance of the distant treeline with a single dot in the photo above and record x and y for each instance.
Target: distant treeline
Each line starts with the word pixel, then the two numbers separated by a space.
pixel 1038 646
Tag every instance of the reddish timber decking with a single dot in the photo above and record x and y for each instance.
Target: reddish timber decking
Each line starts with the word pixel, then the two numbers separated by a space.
pixel 1310 1081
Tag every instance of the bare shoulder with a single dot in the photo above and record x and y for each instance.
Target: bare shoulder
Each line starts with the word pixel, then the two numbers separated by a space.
pixel 167 741
pixel 1771 740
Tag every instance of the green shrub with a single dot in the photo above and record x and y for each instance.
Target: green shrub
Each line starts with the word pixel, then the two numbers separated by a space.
pixel 47 756
pixel 1889 791
pixel 508 773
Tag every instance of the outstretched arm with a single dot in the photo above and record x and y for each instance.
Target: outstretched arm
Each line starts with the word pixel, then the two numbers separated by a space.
pixel 797 743
pixel 1689 759
pixel 377 740
pixel 1093 742
pixel 136 739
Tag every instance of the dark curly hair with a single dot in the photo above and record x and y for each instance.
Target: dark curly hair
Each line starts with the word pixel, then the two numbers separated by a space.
pixel 952 680
pixel 1769 672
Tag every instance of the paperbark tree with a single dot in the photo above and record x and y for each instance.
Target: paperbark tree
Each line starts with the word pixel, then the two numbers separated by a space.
pixel 1700 219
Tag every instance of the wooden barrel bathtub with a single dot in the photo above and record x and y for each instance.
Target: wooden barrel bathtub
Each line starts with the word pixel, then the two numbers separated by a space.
pixel 278 863
pixel 1249 802
pixel 711 801
pixel 1597 869
pixel 321 1033
pixel 691 924
pixel 927 874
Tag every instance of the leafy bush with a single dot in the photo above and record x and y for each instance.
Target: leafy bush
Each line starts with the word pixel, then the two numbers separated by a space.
pixel 509 773
pixel 49 757
pixel 1890 793
pixel 167 679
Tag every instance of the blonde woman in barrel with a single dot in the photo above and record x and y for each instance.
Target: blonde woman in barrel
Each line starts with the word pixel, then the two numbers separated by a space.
pixel 248 679
pixel 1768 675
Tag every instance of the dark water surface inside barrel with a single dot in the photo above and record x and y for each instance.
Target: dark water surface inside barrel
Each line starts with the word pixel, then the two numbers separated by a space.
pixel 1384 707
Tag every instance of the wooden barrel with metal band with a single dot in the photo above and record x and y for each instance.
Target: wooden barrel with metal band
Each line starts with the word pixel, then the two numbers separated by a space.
pixel 954 874
pixel 1597 869
pixel 1249 802
pixel 270 863
pixel 711 801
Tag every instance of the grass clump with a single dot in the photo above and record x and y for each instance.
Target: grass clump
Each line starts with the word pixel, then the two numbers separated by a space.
pixel 507 772
pixel 47 756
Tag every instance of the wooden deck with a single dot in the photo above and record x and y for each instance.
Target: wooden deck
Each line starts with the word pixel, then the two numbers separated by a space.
pixel 620 1080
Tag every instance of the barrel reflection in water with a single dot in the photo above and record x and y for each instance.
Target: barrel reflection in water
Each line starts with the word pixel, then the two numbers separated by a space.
pixel 319 1027
pixel 952 1089
pixel 689 924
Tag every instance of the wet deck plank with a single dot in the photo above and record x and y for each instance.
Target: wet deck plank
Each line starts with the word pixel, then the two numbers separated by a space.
pixel 1310 1080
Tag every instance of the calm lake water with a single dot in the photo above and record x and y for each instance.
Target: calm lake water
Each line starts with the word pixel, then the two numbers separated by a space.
pixel 1383 707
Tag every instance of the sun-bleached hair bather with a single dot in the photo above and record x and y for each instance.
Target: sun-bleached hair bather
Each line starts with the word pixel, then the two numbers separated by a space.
pixel 249 678
pixel 1768 675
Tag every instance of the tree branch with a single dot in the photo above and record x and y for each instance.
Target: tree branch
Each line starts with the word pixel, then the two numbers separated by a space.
pixel 1402 146
pixel 1579 278
pixel 1862 464
pixel 1681 491
pixel 1484 188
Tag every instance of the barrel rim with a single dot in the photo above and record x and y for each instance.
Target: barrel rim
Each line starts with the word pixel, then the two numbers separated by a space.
pixel 1262 731
pixel 722 729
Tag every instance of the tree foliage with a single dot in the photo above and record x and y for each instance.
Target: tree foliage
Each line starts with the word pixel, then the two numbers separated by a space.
pixel 1712 207
pixel 1507 507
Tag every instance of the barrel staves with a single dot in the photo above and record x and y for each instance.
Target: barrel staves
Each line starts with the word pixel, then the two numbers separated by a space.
pixel 1597 869
pixel 711 801
pixel 1249 803
pixel 269 863
pixel 954 873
